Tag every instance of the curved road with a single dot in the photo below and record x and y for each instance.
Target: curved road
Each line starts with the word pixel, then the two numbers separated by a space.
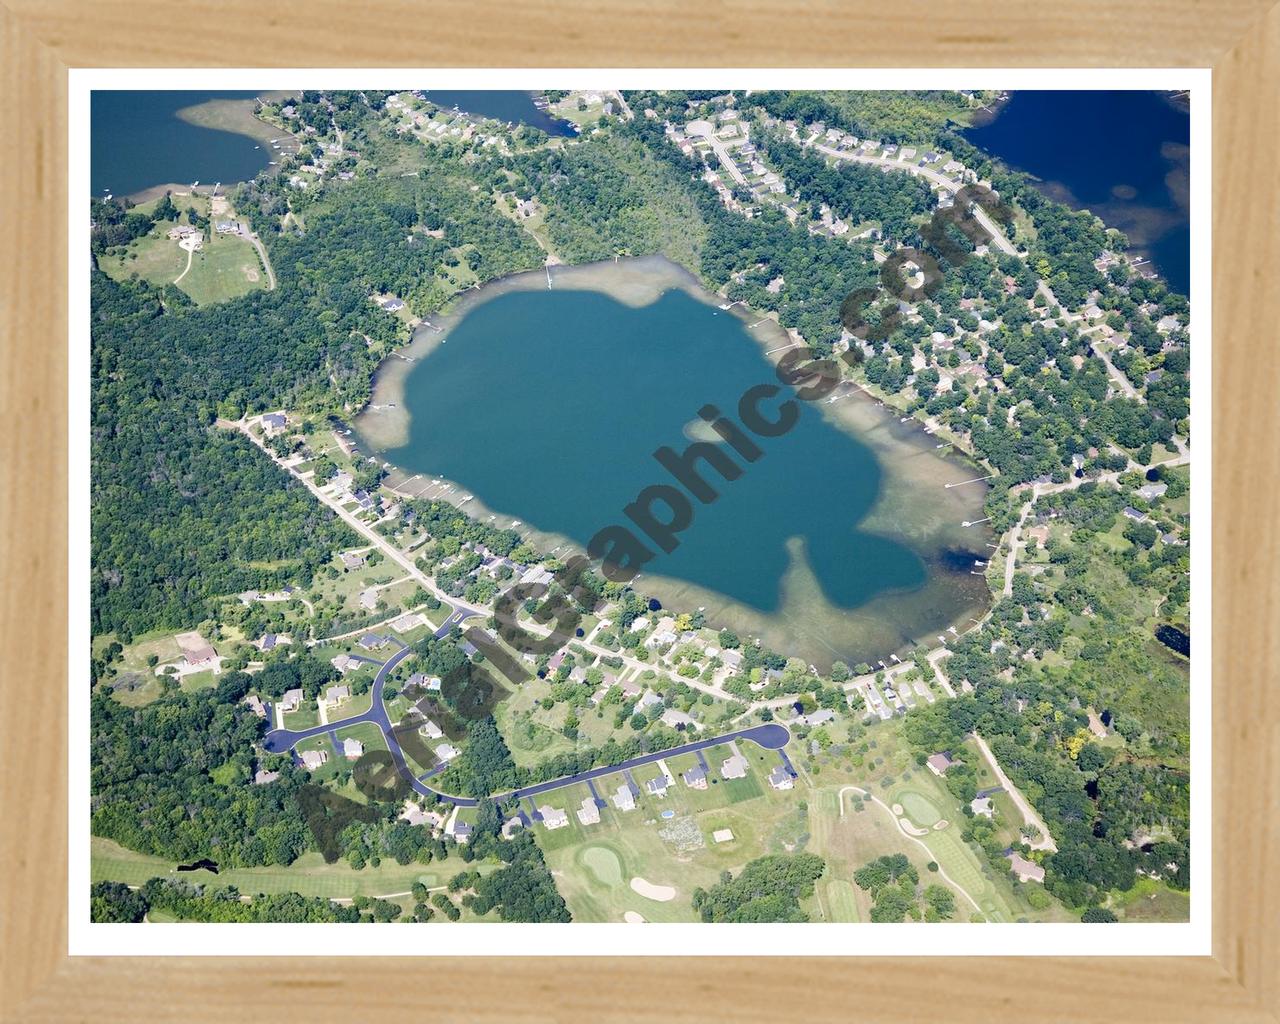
pixel 771 736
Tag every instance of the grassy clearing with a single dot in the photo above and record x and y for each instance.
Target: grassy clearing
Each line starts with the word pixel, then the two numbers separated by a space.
pixel 225 268
pixel 308 875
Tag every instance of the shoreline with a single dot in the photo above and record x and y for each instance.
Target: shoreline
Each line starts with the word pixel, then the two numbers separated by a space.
pixel 947 598
pixel 238 117
pixel 1142 254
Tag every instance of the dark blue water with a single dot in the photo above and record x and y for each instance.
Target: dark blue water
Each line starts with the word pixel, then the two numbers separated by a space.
pixel 1124 155
pixel 137 141
pixel 502 105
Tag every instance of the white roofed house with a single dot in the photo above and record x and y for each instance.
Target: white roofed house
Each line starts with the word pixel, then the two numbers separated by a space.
pixel 447 752
pixel 780 778
pixel 625 797
pixel 314 759
pixel 291 701
pixel 553 817
pixel 589 812
pixel 734 767
pixel 352 749
pixel 344 663
pixel 680 720
pixel 430 730
pixel 649 700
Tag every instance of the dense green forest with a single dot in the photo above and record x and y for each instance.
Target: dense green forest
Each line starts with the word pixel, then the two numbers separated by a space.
pixel 855 192
pixel 182 511
pixel 919 116
pixel 111 902
pixel 614 197
pixel 768 889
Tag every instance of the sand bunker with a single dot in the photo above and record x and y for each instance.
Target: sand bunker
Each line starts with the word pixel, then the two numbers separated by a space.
pixel 631 917
pixel 661 893
pixel 910 829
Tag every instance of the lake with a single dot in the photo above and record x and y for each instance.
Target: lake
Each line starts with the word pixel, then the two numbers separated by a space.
pixel 839 541
pixel 1123 155
pixel 138 141
pixel 502 105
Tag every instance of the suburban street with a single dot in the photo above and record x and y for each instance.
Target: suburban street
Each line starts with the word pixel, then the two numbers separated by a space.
pixel 771 736
pixel 950 184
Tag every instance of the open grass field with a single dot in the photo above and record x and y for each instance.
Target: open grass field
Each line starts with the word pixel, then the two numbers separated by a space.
pixel 225 268
pixel 1152 901
pixel 308 875
pixel 152 257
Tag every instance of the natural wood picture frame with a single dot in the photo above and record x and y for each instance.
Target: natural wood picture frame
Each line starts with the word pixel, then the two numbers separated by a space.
pixel 39 41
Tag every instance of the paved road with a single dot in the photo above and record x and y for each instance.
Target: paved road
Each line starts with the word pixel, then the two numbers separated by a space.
pixel 771 737
pixel 950 184
pixel 365 531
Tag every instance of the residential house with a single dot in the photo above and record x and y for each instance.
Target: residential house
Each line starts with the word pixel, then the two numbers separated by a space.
pixel 589 812
pixel 678 720
pixel 649 700
pixel 625 797
pixel 780 778
pixel 734 767
pixel 196 650
pixel 352 560
pixel 372 641
pixel 291 701
pixel 256 705
pixel 696 777
pixel 939 763
pixel 658 786
pixel 337 694
pixel 447 752
pixel 313 759
pixel 261 777
pixel 1152 491
pixel 553 817
pixel 273 423
pixel 352 749
pixel 1026 870
pixel 982 807
pixel 430 730
pixel 344 663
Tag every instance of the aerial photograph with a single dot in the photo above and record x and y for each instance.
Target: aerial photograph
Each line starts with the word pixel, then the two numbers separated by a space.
pixel 624 506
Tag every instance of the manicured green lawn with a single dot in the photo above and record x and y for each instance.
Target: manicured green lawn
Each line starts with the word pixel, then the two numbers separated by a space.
pixel 308 875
